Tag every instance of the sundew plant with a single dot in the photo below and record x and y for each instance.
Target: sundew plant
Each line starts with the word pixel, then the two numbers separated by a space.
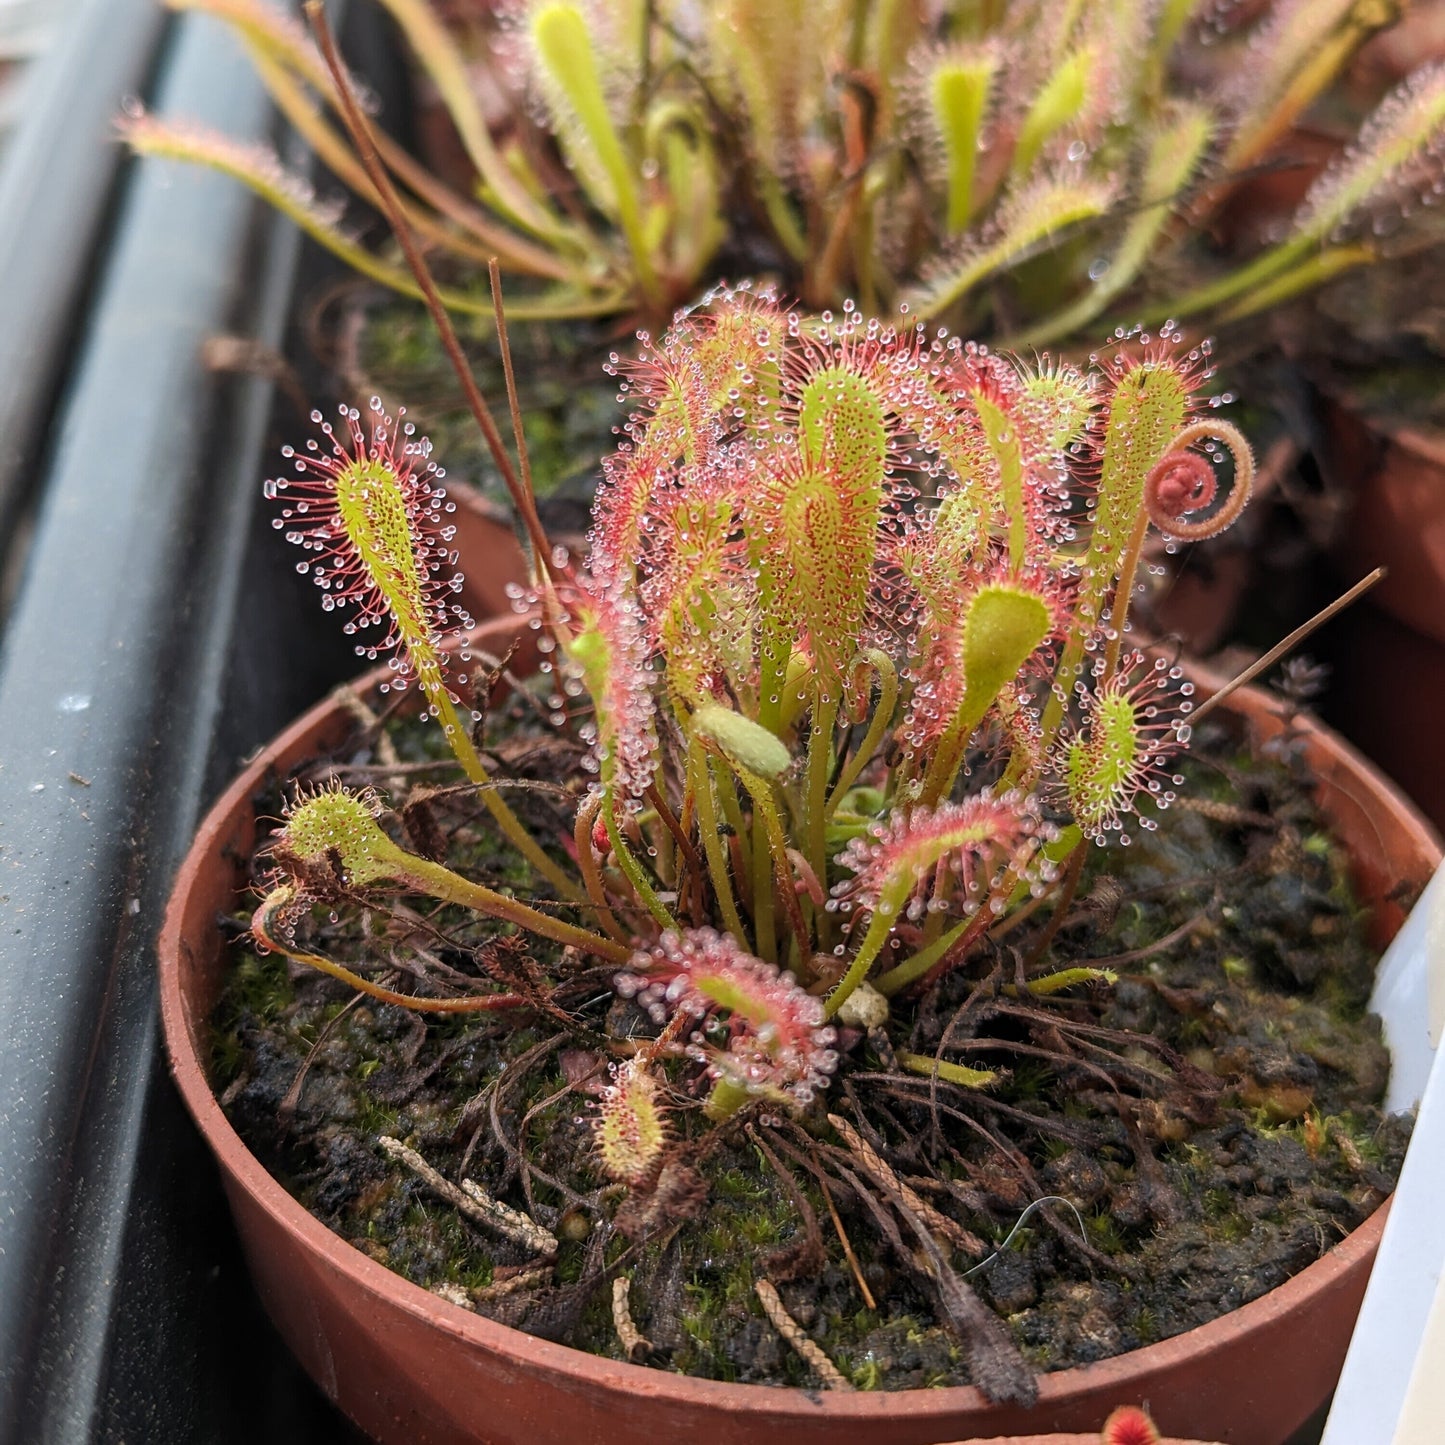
pixel 850 657
pixel 1022 170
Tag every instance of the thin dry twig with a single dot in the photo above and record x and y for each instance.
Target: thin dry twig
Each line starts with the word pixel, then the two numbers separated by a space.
pixel 634 1344
pixel 288 1106
pixel 805 1254
pixel 882 1174
pixel 511 1076
pixel 1187 929
pixel 1287 644
pixel 513 1284
pixel 474 1202
pixel 361 134
pixel 831 1376
pixel 822 1181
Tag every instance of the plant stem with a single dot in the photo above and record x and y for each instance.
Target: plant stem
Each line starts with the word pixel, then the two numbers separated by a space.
pixel 725 1100
pixel 1288 644
pixel 632 869
pixel 878 725
pixel 675 829
pixel 959 1074
pixel 938 958
pixel 439 882
pixel 1305 277
pixel 1074 870
pixel 764 924
pixel 776 855
pixel 587 865
pixel 446 69
pixel 1051 983
pixel 880 925
pixel 1263 268
pixel 826 699
pixel 460 741
pixel 361 134
pixel 279 899
pixel 1123 595
pixel 919 963
pixel 472 233
pixel 707 823
pixel 732 809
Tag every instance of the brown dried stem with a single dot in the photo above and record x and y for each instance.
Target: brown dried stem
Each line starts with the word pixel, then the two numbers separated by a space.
pixel 474 1202
pixel 362 137
pixel 883 1175
pixel 634 1344
pixel 1287 644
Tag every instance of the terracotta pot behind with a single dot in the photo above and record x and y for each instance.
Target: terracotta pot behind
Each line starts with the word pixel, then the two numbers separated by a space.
pixel 412 1369
pixel 1388 652
pixel 1388 696
pixel 1398 519
pixel 493 557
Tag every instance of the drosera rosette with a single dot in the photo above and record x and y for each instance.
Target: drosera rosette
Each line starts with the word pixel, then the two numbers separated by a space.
pixel 850 667
pixel 825 540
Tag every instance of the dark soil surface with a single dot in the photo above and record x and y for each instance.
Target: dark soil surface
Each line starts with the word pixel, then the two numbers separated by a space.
pixel 1203 1129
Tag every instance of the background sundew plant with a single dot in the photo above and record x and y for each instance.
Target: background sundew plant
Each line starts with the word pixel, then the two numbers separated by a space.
pixel 1023 171
pixel 851 655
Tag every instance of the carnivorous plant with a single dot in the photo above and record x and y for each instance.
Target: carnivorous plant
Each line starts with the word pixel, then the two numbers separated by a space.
pixel 850 657
pixel 1023 171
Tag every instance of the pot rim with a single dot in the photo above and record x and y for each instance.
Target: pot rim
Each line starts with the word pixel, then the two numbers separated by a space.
pixel 563 1362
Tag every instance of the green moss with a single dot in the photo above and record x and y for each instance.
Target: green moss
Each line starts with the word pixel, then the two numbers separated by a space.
pixel 569 405
pixel 257 988
pixel 867 1375
pixel 1105 1233
pixel 569 1262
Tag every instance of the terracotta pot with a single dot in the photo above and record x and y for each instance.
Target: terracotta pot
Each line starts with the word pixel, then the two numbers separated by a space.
pixel 1259 206
pixel 494 559
pixel 1387 695
pixel 1398 519
pixel 409 1367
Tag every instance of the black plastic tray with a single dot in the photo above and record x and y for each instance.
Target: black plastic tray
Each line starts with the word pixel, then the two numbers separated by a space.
pixel 156 635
